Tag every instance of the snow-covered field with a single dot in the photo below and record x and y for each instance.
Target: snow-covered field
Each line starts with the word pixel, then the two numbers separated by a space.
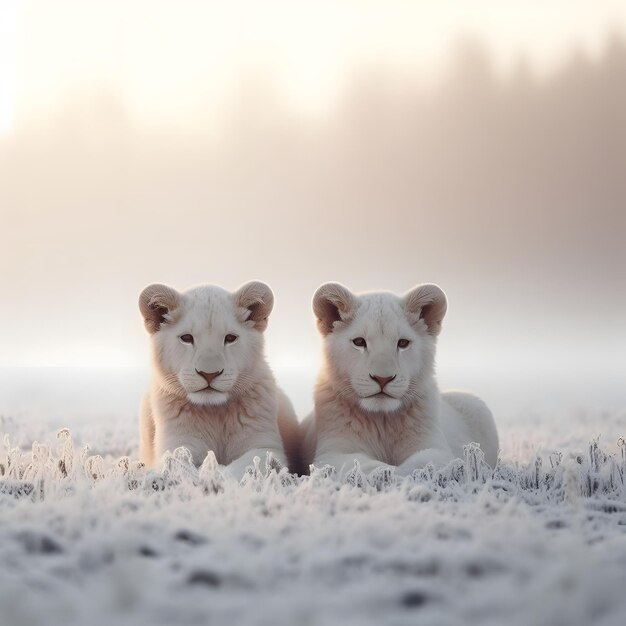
pixel 89 537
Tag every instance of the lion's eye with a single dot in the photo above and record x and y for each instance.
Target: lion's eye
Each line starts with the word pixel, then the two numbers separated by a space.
pixel 230 338
pixel 403 343
pixel 359 342
pixel 186 338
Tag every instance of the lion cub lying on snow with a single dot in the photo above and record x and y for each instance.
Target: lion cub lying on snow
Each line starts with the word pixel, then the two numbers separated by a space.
pixel 376 399
pixel 211 387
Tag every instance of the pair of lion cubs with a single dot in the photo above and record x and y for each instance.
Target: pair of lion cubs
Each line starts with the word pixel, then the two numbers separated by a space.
pixel 376 399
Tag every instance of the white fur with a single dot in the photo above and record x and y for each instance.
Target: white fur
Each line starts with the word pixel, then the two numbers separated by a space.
pixel 412 424
pixel 241 413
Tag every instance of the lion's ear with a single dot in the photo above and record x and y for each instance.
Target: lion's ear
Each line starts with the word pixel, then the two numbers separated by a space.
pixel 333 303
pixel 157 303
pixel 257 301
pixel 428 303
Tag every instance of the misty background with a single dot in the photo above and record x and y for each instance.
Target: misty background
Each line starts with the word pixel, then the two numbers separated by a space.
pixel 498 173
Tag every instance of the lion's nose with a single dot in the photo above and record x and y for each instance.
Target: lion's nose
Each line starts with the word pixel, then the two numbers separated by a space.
pixel 210 376
pixel 382 380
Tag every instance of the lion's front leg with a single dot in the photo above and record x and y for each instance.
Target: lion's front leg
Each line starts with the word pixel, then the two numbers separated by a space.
pixel 438 457
pixel 344 462
pixel 238 467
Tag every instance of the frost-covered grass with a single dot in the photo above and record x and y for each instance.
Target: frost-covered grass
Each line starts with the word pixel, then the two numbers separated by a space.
pixel 88 536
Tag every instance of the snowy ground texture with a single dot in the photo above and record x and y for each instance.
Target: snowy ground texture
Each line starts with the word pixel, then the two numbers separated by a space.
pixel 89 537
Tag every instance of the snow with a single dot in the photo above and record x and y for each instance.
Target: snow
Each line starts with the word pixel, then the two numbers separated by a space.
pixel 88 536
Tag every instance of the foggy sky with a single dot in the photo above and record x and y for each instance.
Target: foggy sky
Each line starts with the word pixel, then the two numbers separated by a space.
pixel 507 191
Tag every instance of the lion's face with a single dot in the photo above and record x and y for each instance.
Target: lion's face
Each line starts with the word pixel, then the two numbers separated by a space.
pixel 378 345
pixel 207 339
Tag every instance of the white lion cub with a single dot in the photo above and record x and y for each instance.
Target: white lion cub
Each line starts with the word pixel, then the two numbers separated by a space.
pixel 377 399
pixel 211 387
